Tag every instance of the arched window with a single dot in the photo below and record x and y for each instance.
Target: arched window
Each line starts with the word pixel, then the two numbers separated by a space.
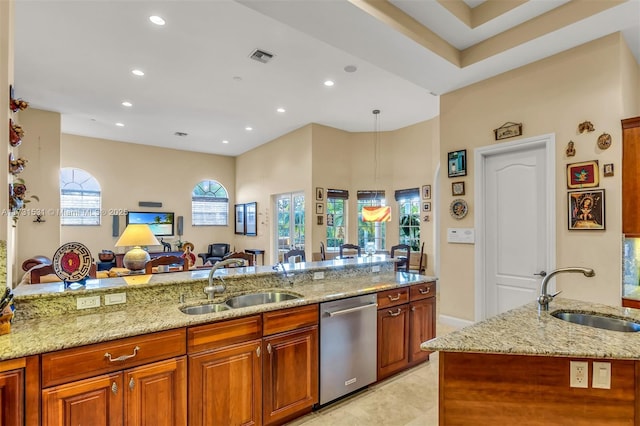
pixel 209 204
pixel 80 197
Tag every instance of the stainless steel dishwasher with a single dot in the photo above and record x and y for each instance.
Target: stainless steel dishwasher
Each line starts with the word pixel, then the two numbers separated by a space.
pixel 348 345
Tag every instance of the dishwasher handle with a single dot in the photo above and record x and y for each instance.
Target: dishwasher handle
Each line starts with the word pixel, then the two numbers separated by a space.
pixel 349 310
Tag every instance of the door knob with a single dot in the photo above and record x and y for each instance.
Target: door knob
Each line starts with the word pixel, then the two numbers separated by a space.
pixel 541 273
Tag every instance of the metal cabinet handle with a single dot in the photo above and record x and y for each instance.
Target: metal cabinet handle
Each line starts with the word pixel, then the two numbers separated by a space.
pixel 114 388
pixel 423 291
pixel 393 299
pixel 122 357
pixel 269 347
pixel 132 384
pixel 392 314
pixel 258 351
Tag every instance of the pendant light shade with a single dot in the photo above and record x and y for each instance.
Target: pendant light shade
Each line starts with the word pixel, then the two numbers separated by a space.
pixel 376 214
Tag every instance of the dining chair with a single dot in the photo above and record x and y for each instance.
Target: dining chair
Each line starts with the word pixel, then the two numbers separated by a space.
pixel 248 258
pixel 163 260
pixel 294 252
pixel 403 261
pixel 349 247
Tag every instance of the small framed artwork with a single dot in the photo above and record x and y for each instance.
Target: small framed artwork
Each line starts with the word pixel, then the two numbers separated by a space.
pixel 250 213
pixel 426 192
pixel 426 207
pixel 329 219
pixel 457 188
pixel 457 161
pixel 583 175
pixel 319 208
pixel 319 194
pixel 607 170
pixel 586 210
pixel 239 209
pixel 320 220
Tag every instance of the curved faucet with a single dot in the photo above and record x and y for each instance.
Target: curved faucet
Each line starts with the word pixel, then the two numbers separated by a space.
pixel 545 298
pixel 211 289
pixel 285 275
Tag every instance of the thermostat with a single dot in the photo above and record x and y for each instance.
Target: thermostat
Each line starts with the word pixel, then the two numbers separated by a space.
pixel 461 235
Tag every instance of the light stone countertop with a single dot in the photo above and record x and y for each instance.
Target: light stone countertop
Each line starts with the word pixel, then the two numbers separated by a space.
pixel 47 333
pixel 524 331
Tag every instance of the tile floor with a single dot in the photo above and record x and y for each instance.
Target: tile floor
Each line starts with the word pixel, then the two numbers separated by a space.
pixel 406 399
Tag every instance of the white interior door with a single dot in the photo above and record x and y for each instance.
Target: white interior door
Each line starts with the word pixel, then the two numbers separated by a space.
pixel 515 221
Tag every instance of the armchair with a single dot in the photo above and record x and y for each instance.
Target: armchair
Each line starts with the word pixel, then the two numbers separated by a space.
pixel 215 253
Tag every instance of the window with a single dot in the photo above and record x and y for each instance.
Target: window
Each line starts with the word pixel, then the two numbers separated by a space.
pixel 371 231
pixel 80 197
pixel 409 217
pixel 336 215
pixel 209 204
pixel 290 224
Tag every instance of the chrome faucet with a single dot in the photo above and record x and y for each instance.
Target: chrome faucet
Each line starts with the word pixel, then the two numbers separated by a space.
pixel 211 289
pixel 285 275
pixel 545 298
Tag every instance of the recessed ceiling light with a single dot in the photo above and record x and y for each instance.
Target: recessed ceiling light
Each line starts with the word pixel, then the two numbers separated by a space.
pixel 329 83
pixel 225 141
pixel 127 104
pixel 281 110
pixel 139 73
pixel 157 20
pixel 120 124
pixel 248 128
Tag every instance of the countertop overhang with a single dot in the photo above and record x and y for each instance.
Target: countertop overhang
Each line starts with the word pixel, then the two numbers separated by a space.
pixel 525 331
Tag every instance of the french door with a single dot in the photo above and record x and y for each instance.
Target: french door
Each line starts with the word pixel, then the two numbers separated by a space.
pixel 290 230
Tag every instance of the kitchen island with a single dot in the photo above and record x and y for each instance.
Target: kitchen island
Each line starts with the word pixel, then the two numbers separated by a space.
pixel 514 368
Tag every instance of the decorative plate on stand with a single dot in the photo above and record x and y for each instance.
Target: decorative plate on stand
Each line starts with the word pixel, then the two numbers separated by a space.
pixel 458 208
pixel 72 262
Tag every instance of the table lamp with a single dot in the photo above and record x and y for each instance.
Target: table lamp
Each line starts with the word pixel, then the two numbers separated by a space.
pixel 136 235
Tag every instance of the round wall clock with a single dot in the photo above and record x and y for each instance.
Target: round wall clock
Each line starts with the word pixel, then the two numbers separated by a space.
pixel 458 208
pixel 72 262
pixel 604 141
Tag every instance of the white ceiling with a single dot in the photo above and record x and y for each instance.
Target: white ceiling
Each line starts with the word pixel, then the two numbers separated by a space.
pixel 76 57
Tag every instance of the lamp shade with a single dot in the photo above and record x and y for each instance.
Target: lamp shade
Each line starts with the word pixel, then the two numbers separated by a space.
pixel 376 214
pixel 136 235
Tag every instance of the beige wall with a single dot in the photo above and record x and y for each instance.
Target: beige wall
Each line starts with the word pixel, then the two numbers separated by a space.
pixel 6 79
pixel 553 95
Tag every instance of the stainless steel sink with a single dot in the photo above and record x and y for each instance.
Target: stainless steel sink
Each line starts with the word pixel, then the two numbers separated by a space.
pixel 254 299
pixel 204 309
pixel 598 321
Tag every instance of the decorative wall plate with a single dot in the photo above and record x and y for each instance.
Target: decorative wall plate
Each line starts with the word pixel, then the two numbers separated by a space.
pixel 72 262
pixel 604 141
pixel 458 208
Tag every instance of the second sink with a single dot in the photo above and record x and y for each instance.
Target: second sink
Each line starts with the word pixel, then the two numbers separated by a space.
pixel 597 321
pixel 204 309
pixel 254 299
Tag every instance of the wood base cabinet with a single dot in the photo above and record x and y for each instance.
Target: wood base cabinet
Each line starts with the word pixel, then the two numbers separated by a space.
pixel 393 340
pixel 12 397
pixel 422 327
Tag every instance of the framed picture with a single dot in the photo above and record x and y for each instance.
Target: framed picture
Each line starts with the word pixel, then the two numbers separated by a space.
pixel 457 161
pixel 457 188
pixel 426 192
pixel 586 210
pixel 250 213
pixel 239 219
pixel 583 175
pixel 319 194
pixel 320 220
pixel 329 219
pixel 426 207
pixel 607 170
pixel 319 208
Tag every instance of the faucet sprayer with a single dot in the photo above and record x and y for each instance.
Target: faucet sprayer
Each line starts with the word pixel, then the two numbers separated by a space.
pixel 545 298
pixel 211 289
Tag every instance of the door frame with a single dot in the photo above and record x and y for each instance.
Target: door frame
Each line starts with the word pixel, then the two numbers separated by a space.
pixel 548 142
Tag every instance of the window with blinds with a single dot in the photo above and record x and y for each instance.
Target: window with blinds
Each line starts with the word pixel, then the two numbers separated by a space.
pixel 209 204
pixel 80 198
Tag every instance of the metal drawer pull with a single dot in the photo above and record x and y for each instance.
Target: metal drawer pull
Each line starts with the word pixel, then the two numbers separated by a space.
pixel 269 347
pixel 395 314
pixel 114 388
pixel 423 291
pixel 349 310
pixel 258 351
pixel 393 299
pixel 123 357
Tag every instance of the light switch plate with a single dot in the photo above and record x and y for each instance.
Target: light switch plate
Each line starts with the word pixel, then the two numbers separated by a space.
pixel 318 275
pixel 601 375
pixel 115 298
pixel 87 302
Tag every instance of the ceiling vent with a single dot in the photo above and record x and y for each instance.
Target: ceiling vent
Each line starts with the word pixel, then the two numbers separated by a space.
pixel 261 56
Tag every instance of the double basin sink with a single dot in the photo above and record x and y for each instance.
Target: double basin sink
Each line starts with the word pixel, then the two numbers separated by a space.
pixel 242 301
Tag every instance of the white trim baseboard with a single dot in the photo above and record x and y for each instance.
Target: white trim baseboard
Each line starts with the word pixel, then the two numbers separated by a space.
pixel 454 321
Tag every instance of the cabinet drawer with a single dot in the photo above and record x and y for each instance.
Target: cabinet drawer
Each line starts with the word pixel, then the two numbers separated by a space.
pixel 289 319
pixel 422 291
pixel 225 333
pixel 86 361
pixel 394 297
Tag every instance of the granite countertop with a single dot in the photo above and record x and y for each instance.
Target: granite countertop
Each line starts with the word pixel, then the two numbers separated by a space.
pixel 77 328
pixel 524 331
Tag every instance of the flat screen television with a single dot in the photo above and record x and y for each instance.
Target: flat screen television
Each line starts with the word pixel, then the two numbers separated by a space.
pixel 161 223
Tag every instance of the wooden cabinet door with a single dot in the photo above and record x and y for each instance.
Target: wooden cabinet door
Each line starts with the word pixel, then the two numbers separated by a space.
pixel 225 386
pixel 11 398
pixel 96 401
pixel 393 340
pixel 156 394
pixel 630 177
pixel 290 376
pixel 422 327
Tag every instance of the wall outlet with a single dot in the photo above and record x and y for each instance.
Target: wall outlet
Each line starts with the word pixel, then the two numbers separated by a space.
pixel 318 275
pixel 115 298
pixel 87 302
pixel 579 374
pixel 375 268
pixel 601 375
